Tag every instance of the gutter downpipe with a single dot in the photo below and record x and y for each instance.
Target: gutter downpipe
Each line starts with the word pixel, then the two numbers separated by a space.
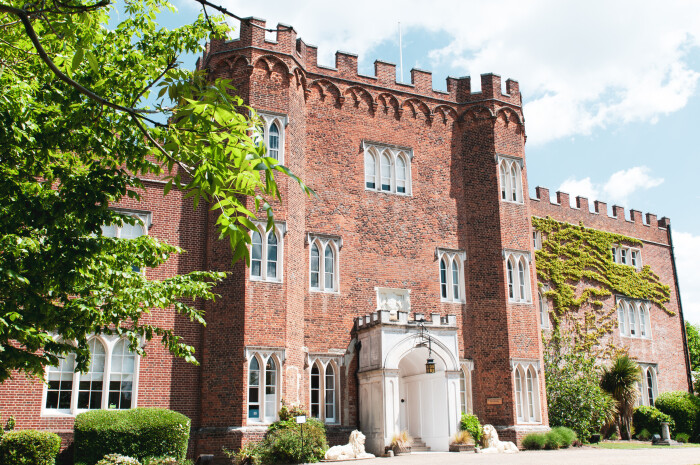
pixel 680 312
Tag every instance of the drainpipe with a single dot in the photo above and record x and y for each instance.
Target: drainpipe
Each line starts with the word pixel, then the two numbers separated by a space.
pixel 680 312
pixel 358 346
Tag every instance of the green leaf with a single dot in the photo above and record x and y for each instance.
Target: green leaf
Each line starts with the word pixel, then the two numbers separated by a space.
pixel 92 61
pixel 77 58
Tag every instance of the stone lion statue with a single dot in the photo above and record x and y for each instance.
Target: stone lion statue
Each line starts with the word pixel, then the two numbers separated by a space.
pixel 355 449
pixel 493 445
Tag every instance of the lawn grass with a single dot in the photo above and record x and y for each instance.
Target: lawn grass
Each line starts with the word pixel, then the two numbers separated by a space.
pixel 636 445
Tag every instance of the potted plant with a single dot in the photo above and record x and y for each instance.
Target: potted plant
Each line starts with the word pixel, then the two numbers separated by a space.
pixel 401 443
pixel 462 442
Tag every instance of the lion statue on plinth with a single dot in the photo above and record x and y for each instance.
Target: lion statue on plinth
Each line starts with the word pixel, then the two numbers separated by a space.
pixel 355 449
pixel 492 445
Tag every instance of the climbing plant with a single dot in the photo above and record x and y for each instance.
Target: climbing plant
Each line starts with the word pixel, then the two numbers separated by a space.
pixel 575 270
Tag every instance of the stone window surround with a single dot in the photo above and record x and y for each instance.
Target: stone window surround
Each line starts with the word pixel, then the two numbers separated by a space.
pixel 268 118
pixel 520 367
pixel 280 232
pixel 322 361
pixel 506 164
pixel 263 354
pixel 450 255
pixel 323 241
pixel 514 257
pixel 375 150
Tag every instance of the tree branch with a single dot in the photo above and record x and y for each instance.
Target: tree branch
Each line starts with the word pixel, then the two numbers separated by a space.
pixel 223 10
pixel 170 66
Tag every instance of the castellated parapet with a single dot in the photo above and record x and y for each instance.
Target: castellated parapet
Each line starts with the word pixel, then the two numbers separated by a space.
pixel 644 227
pixel 304 59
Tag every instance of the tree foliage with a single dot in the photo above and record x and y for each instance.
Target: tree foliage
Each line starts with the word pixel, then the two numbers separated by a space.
pixel 693 335
pixel 574 396
pixel 75 138
pixel 620 380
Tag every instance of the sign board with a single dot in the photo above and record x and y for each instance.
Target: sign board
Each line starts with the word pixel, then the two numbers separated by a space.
pixel 301 419
pixel 494 401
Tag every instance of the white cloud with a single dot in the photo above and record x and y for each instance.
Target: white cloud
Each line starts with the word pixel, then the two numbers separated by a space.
pixel 581 65
pixel 687 251
pixel 616 190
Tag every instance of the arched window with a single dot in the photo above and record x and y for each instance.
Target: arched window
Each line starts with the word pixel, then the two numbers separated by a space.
pixel 443 278
pixel 544 311
pixel 273 144
pixel 387 169
pixel 632 319
pixel 315 392
pixel 329 268
pixel 254 389
pixel 121 376
pixel 330 394
pixel 256 255
pixel 401 175
pixel 521 281
pixel 504 180
pixel 519 393
pixel 651 386
pixel 60 383
pixel 463 391
pixel 455 279
pixel 91 384
pixel 271 255
pixel 530 395
pixel 315 268
pixel 643 319
pixel 265 253
pixel 386 172
pixel 370 171
pixel 270 390
pixel 513 182
pixel 511 280
pixel 621 318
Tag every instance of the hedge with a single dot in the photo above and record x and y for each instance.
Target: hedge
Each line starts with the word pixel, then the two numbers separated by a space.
pixel 29 447
pixel 138 433
pixel 684 408
pixel 650 419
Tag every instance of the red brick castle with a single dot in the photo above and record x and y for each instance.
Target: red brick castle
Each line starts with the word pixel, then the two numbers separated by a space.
pixel 419 247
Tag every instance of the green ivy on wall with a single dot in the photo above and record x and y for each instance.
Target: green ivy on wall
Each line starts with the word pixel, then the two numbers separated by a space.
pixel 576 264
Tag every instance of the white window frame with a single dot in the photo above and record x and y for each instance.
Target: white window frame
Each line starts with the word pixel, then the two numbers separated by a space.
pixel 263 355
pixel 267 120
pixel 109 342
pixel 375 151
pixel 322 364
pixel 622 255
pixel 465 396
pixel 279 231
pixel 536 239
pixel 521 291
pixel 526 413
pixel 637 308
pixel 510 176
pixel 645 370
pixel 325 242
pixel 450 257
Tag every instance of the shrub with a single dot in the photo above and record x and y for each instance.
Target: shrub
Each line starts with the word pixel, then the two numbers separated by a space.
pixel 567 435
pixel 683 407
pixel 251 453
pixel 650 419
pixel 682 437
pixel 472 424
pixel 553 440
pixel 463 437
pixel 644 435
pixel 29 447
pixel 161 461
pixel 283 444
pixel 139 433
pixel 534 441
pixel 574 396
pixel 117 459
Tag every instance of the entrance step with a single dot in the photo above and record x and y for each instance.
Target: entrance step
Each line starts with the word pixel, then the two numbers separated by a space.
pixel 419 446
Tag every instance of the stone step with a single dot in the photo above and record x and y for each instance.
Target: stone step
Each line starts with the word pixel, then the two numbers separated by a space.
pixel 419 446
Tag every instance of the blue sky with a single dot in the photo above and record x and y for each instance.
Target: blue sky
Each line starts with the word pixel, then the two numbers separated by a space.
pixel 610 89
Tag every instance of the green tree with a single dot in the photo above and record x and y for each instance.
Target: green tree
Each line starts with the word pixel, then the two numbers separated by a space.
pixel 574 396
pixel 620 380
pixel 76 137
pixel 693 334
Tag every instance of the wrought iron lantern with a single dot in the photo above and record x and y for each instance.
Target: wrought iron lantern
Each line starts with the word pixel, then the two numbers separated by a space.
pixel 430 363
pixel 430 366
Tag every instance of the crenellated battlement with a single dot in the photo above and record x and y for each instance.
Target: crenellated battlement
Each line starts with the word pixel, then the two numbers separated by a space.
pixel 252 35
pixel 642 226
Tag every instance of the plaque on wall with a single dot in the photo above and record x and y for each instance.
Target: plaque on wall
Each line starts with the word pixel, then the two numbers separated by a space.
pixel 494 401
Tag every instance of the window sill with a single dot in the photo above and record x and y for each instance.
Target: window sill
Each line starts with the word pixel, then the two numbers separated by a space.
pixel 636 338
pixel 377 191
pixel 320 291
pixel 520 302
pixel 261 280
pixel 514 202
pixel 447 301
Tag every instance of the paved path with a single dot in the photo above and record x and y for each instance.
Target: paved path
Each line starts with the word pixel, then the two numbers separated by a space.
pixel 577 456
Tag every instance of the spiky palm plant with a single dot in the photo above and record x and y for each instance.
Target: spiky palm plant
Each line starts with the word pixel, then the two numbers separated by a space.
pixel 620 381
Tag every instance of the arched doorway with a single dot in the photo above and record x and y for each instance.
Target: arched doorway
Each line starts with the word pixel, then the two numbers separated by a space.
pixel 423 410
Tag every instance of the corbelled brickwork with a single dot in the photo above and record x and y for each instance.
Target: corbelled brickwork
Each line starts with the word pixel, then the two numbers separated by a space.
pixel 388 240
